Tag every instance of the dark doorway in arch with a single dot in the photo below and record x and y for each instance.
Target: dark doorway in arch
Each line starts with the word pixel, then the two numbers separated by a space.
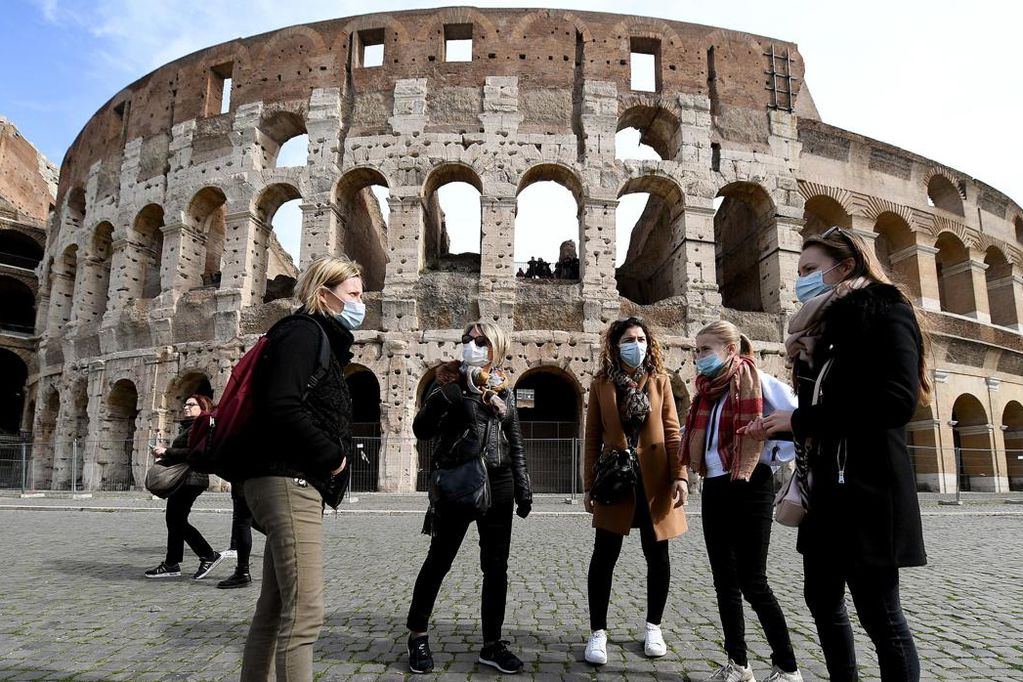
pixel 424 448
pixel 548 403
pixel 17 307
pixel 365 461
pixel 13 373
pixel 19 250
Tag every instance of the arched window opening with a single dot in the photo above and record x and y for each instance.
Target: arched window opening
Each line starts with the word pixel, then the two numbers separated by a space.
pixel 207 214
pixel 649 221
pixel 97 282
pixel 453 219
pixel 941 193
pixel 362 201
pixel 646 132
pixel 1018 224
pixel 745 215
pixel 75 214
pixel 13 373
pixel 365 391
pixel 283 140
pixel 149 235
pixel 972 436
pixel 19 250
pixel 17 307
pixel 279 208
pixel 1000 294
pixel 547 226
pixel 1012 426
pixel 893 239
pixel 820 213
pixel 955 280
pixel 111 468
pixel 62 291
pixel 549 403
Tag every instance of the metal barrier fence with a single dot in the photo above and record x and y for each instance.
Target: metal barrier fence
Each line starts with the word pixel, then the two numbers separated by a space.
pixel 955 470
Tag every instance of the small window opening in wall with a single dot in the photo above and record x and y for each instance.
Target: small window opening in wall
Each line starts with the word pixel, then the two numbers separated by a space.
pixel 715 156
pixel 122 111
pixel 645 59
pixel 458 42
pixel 218 89
pixel 371 47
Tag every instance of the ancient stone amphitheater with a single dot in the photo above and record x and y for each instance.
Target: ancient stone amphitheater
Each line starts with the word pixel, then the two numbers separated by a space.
pixel 161 266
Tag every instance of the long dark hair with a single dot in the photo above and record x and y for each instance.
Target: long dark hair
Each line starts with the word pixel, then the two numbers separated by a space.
pixel 840 245
pixel 610 358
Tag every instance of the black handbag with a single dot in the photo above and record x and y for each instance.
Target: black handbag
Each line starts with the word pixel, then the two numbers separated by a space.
pixel 461 492
pixel 614 476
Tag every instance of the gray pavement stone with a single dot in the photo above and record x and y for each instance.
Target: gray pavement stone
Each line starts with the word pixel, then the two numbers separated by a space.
pixel 74 604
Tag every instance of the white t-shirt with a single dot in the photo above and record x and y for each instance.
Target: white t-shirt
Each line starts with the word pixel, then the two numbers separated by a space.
pixel 777 396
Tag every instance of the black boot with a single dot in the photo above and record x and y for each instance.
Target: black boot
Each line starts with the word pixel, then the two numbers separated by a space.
pixel 240 578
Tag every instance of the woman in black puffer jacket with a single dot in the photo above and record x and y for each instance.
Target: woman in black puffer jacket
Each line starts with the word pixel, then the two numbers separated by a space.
pixel 472 413
pixel 179 503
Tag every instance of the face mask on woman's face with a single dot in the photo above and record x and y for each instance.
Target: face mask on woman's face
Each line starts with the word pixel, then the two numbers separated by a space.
pixel 475 356
pixel 352 312
pixel 709 365
pixel 632 353
pixel 809 286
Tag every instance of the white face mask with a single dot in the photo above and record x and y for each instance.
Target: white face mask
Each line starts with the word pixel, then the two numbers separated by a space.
pixel 475 356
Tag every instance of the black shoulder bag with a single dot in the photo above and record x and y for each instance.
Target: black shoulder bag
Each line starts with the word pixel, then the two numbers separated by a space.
pixel 616 472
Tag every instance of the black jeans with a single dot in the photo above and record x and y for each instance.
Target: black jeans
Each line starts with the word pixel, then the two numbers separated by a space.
pixel 737 529
pixel 875 593
pixel 495 543
pixel 607 546
pixel 180 531
pixel 241 526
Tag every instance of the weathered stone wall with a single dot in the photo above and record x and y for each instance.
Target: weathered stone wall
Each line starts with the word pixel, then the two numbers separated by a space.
pixel 542 99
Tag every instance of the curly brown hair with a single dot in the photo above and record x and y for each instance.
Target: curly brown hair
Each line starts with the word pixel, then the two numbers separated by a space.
pixel 610 359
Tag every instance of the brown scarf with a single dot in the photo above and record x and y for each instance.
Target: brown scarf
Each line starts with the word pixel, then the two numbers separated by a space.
pixel 806 326
pixel 744 403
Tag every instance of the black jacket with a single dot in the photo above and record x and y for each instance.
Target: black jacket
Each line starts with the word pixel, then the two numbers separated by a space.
pixel 298 434
pixel 867 398
pixel 465 428
pixel 178 452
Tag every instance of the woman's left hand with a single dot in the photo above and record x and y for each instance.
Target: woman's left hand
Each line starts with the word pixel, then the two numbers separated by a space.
pixel 159 450
pixel 680 492
pixel 778 422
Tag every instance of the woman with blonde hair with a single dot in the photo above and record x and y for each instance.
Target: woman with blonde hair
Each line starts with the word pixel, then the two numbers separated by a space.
pixel 299 448
pixel 471 414
pixel 631 406
pixel 860 364
pixel 738 489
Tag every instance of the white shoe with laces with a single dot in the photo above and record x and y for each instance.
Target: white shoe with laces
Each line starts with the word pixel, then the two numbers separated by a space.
pixel 779 675
pixel 733 672
pixel 653 641
pixel 596 648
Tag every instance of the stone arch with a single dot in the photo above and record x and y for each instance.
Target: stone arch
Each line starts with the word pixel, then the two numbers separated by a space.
pixel 565 178
pixel 17 307
pixel 147 235
pixel 455 15
pixel 646 275
pixel 1000 290
pixel 922 440
pixel 744 219
pixel 364 388
pixel 436 240
pixel 944 192
pixel 44 432
pixel 110 465
pixel 955 279
pixel 550 422
pixel 1012 425
pixel 19 250
pixel 360 225
pixel 74 209
pixel 187 382
pixel 821 212
pixel 274 270
pixel 207 216
pixel 893 246
pixel 274 131
pixel 525 23
pixel 96 282
pixel 13 373
pixel 658 127
pixel 972 436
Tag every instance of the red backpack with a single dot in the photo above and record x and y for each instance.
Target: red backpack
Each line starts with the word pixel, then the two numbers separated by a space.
pixel 218 439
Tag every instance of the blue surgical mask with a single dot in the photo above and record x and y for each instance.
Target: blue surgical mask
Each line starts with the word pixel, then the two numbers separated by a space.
pixel 809 286
pixel 352 313
pixel 709 365
pixel 632 353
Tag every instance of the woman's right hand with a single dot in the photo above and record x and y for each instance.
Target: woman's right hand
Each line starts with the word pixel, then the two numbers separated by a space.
pixel 588 503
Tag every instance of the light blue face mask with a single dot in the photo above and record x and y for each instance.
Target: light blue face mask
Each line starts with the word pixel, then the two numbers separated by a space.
pixel 632 353
pixel 351 315
pixel 709 365
pixel 809 286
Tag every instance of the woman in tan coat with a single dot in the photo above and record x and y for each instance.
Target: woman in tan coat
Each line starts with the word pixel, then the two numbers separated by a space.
pixel 631 405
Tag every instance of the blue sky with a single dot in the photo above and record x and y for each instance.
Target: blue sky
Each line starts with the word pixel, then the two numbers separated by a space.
pixel 942 78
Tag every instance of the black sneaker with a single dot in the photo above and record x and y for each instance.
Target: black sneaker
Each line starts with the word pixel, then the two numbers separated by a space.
pixel 420 658
pixel 207 565
pixel 164 571
pixel 498 656
pixel 238 579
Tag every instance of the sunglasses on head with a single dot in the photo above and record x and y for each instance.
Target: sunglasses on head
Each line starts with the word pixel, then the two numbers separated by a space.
pixel 844 235
pixel 478 340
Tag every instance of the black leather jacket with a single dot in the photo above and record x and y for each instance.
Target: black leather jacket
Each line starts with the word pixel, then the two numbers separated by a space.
pixel 465 428
pixel 178 452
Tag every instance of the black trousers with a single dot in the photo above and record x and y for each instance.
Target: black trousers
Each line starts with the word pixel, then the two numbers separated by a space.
pixel 495 543
pixel 607 546
pixel 241 526
pixel 180 531
pixel 737 529
pixel 875 593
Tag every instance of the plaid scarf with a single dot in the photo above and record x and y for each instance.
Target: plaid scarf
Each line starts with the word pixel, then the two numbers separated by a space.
pixel 634 407
pixel 744 402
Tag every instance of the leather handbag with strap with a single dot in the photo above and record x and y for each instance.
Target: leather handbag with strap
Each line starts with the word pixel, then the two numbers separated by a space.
pixel 461 491
pixel 163 480
pixel 614 476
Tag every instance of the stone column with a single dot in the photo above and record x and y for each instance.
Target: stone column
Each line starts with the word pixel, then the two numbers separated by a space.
pixel 183 261
pixel 246 241
pixel 693 265
pixel 1006 299
pixel 597 262
pixel 323 229
pixel 399 461
pixel 918 270
pixel 780 248
pixel 405 251
pixel 948 473
pixel 61 298
pixel 925 454
pixel 998 451
pixel 497 260
pixel 91 286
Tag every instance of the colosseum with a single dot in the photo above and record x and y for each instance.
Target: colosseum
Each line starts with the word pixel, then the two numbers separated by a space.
pixel 162 266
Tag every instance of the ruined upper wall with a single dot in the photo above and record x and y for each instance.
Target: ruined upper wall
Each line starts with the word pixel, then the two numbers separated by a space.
pixel 550 51
pixel 28 181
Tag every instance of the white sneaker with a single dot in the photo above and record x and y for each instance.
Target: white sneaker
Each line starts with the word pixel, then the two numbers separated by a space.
pixel 733 672
pixel 229 554
pixel 779 675
pixel 653 641
pixel 596 648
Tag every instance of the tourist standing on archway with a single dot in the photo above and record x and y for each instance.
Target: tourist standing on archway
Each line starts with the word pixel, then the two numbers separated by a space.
pixel 738 491
pixel 860 367
pixel 631 406
pixel 472 415
pixel 300 445
pixel 179 503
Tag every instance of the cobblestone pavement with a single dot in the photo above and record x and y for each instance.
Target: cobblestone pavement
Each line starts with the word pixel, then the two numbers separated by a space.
pixel 74 604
